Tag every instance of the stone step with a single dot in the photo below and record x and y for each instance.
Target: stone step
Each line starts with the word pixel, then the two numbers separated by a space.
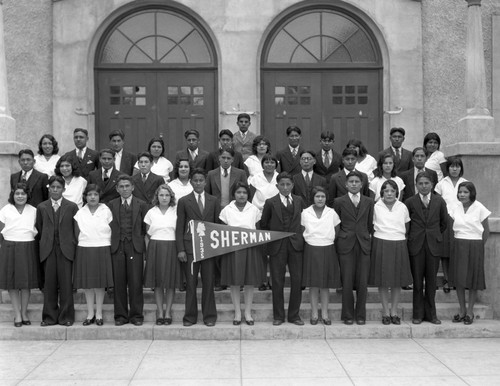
pixel 264 297
pixel 226 331
pixel 260 312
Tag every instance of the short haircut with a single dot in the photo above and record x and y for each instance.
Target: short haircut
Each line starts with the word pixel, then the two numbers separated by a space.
pixel 160 140
pixel 91 188
pixel 284 175
pixel 291 129
pixel 124 177
pixel 59 179
pixel 392 184
pixel 187 133
pixel 430 136
pixel 313 154
pixel 424 174
pixel 354 173
pixel 170 191
pixel 240 184
pixel 178 164
pixel 109 151
pixel 269 157
pixel 228 150
pixel 19 186
pixel 318 189
pixel 397 129
pixel 72 161
pixel 84 131
pixel 198 171
pixel 417 149
pixel 379 171
pixel 243 115
pixel 470 187
pixel 357 143
pixel 257 140
pixel 146 154
pixel 115 133
pixel 51 138
pixel 327 135
pixel 348 151
pixel 455 161
pixel 26 151
pixel 226 132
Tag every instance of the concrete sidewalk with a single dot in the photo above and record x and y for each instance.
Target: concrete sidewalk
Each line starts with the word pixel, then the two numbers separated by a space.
pixel 264 362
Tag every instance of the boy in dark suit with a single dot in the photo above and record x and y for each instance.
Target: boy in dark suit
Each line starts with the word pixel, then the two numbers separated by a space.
pixel 288 158
pixel 328 161
pixel 198 205
pixel 353 246
pixel 124 161
pixel 283 213
pixel 56 234
pixel 243 138
pixel 428 221
pixel 146 182
pixel 85 158
pixel 225 142
pixel 304 181
pixel 403 159
pixel 127 247
pixel 409 177
pixel 106 176
pixel 197 157
pixel 34 180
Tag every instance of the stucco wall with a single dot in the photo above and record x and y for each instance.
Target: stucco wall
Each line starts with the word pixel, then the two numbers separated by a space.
pixel 28 46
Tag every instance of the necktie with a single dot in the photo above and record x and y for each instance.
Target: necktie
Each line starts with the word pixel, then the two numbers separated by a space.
pixel 105 176
pixel 200 203
pixel 288 202
pixel 225 173
pixel 308 180
pixel 327 160
pixel 55 206
pixel 23 177
pixel 294 152
pixel 125 205
pixel 144 178
pixel 355 200
pixel 425 200
pixel 80 154
pixel 398 155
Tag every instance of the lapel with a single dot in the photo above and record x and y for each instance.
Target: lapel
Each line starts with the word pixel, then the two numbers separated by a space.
pixel 296 207
pixel 218 178
pixel 50 211
pixel 194 204
pixel 62 209
pixel 418 206
pixel 301 183
pixel 363 205
pixel 350 206
pixel 33 179
pixel 432 206
pixel 277 207
pixel 135 209
pixel 112 180
pixel 232 177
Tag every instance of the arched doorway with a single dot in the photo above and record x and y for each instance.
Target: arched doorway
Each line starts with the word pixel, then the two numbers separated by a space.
pixel 321 69
pixel 156 75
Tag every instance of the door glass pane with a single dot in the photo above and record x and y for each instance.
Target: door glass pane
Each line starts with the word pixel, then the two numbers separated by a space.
pixel 279 90
pixel 114 90
pixel 337 90
pixel 128 90
pixel 292 90
pixel 140 101
pixel 198 90
pixel 172 91
pixel 185 90
pixel 140 90
pixel 197 101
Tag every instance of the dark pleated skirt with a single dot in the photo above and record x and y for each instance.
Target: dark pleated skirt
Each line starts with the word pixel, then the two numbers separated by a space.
pixel 19 265
pixel 467 265
pixel 163 269
pixel 243 267
pixel 390 264
pixel 93 268
pixel 448 239
pixel 320 267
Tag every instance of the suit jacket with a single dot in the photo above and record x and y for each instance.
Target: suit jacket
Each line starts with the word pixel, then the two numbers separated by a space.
pixel 327 172
pixel 89 162
pixel 108 189
pixel 46 228
pixel 300 187
pixel 244 146
pixel 213 161
pixel 187 209
pixel 37 184
pixel 201 159
pixel 354 226
pixel 139 210
pixel 408 178
pixel 213 185
pixel 128 162
pixel 428 229
pixel 272 219
pixel 337 188
pixel 404 164
pixel 146 191
pixel 286 161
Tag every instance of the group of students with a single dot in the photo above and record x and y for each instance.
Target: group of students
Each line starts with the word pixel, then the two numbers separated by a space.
pixel 89 220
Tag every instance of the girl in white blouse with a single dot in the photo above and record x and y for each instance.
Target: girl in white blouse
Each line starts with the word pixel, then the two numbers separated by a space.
pixel 161 166
pixel 74 184
pixel 320 270
pixel 366 163
pixel 385 171
pixel 19 263
pixel 435 157
pixel 260 147
pixel 46 159
pixel 181 185
pixel 467 265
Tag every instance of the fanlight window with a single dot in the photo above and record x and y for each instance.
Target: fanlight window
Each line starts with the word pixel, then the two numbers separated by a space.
pixel 321 37
pixel 156 37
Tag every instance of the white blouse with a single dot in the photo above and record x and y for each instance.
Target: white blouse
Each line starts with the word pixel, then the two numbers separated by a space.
pixel 247 218
pixel 163 167
pixel 434 163
pixel 468 225
pixel 367 166
pixel 180 190
pixel 74 190
pixel 253 165
pixel 390 224
pixel 319 231
pixel 94 228
pixel 46 166
pixel 264 189
pixel 449 192
pixel 18 227
pixel 161 226
pixel 377 182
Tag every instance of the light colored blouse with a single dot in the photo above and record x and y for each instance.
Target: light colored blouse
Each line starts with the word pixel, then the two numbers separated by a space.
pixel 319 231
pixel 163 167
pixel 180 190
pixel 74 190
pixel 469 225
pixel 247 218
pixel 46 166
pixel 94 227
pixel 367 166
pixel 161 226
pixel 434 163
pixel 18 226
pixel 263 188
pixel 253 165
pixel 449 192
pixel 390 224
pixel 377 182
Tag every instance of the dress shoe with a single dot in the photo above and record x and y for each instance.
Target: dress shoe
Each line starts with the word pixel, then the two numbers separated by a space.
pixel 262 287
pixel 236 322
pixel 249 322
pixel 26 322
pixel 211 324
pixel 298 322
pixel 277 322
pixel 120 322
pixel 348 322
pixel 160 321
pixel 99 322
pixel 67 324
pixel 360 322
pixel 416 321
pixel 44 324
pixel 314 321
pixel 468 319
pixel 395 319
pixel 386 320
pixel 88 322
pixel 435 321
pixel 185 323
pixel 167 321
pixel 182 288
pixel 137 323
pixel 458 319
pixel 326 322
pixel 220 288
pixel 446 287
pixel 18 324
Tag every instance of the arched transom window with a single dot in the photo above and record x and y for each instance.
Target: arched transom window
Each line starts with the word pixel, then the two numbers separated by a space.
pixel 156 37
pixel 321 37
